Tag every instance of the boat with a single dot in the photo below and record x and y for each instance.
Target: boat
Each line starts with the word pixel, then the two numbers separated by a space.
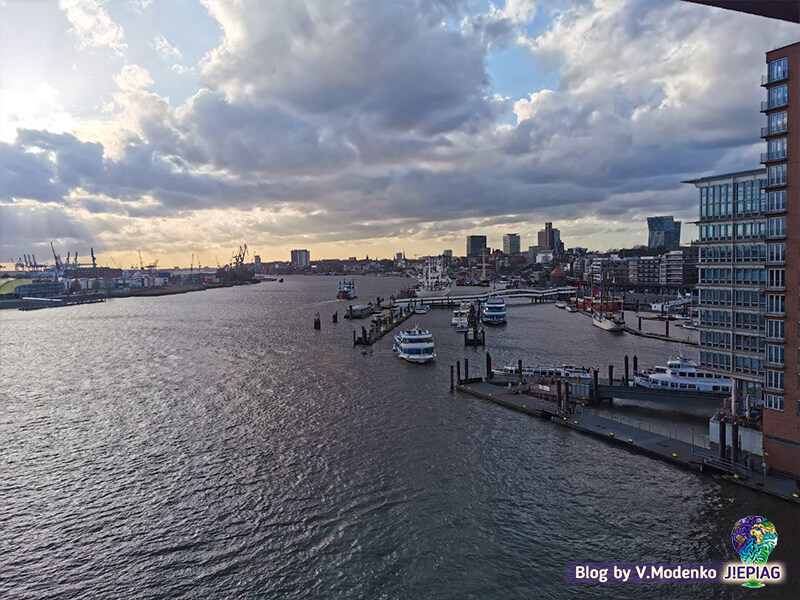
pixel 462 324
pixel 422 309
pixel 494 311
pixel 571 308
pixel 562 372
pixel 561 304
pixel 433 282
pixel 414 345
pixel 682 374
pixel 608 321
pixel 461 312
pixel 347 290
pixel 280 280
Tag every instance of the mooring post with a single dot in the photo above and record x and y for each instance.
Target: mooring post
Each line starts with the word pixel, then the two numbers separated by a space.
pixel 627 372
pixel 466 370
pixel 558 392
pixel 488 366
pixel 519 370
pixel 640 323
pixel 364 334
pixel 635 364
pixel 458 372
pixel 610 374
pixel 722 432
pixel 354 337
pixel 336 317
pixel 350 311
pixel 566 396
pixel 595 384
pixel 452 383
pixel 667 326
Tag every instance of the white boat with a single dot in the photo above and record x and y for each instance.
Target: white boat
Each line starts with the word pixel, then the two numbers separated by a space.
pixel 500 284
pixel 462 312
pixel 608 321
pixel 347 290
pixel 494 311
pixel 414 345
pixel 433 281
pixel 422 309
pixel 463 324
pixel 564 371
pixel 571 308
pixel 561 304
pixel 682 375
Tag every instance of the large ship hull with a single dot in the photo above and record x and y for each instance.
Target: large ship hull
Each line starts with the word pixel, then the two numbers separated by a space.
pixel 608 324
pixel 440 293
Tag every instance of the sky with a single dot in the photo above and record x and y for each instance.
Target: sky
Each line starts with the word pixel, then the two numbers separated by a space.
pixel 364 127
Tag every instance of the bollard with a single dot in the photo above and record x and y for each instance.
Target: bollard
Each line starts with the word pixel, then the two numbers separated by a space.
pixel 317 322
pixel 452 386
pixel 627 372
pixel 458 372
pixel 610 374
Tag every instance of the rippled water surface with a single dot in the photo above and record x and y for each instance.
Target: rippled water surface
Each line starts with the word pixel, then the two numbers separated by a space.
pixel 214 445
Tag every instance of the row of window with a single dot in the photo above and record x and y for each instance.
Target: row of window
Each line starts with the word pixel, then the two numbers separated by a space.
pixel 752 365
pixel 776 175
pixel 741 275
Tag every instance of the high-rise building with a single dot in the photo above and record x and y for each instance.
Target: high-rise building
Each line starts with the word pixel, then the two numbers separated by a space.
pixel 781 419
pixel 301 258
pixel 447 253
pixel 664 232
pixel 476 246
pixel 550 238
pixel 511 243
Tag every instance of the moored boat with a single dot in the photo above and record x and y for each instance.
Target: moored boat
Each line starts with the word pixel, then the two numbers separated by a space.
pixel 682 374
pixel 422 309
pixel 561 304
pixel 494 311
pixel 414 345
pixel 571 308
pixel 563 371
pixel 347 290
pixel 608 321
pixel 433 281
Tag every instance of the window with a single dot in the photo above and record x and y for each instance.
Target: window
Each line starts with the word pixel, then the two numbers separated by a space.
pixel 775 354
pixel 776 278
pixel 776 330
pixel 776 227
pixel 777 122
pixel 779 69
pixel 775 380
pixel 773 402
pixel 776 304
pixel 776 201
pixel 778 96
pixel 776 175
pixel 776 149
pixel 776 253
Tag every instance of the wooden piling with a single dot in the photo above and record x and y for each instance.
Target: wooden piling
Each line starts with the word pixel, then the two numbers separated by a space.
pixel 354 337
pixel 458 372
pixel 519 369
pixel 722 432
pixel 336 317
pixel 610 374
pixel 627 371
pixel 640 323
pixel 488 366
pixel 635 364
pixel 452 383
pixel 466 369
pixel 667 326
pixel 595 385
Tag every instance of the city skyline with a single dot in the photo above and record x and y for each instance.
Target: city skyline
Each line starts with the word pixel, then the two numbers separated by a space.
pixel 123 130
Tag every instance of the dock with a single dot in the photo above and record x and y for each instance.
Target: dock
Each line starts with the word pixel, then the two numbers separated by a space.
pixel 36 303
pixel 566 410
pixel 376 331
pixel 535 296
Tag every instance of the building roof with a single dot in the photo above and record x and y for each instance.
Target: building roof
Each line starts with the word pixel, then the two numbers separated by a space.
pixel 727 175
pixel 785 10
pixel 557 271
pixel 7 285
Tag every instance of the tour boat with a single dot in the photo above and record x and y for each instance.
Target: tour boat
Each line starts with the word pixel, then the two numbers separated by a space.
pixel 462 324
pixel 347 290
pixel 494 311
pixel 461 312
pixel 571 308
pixel 433 281
pixel 682 375
pixel 414 345
pixel 608 321
pixel 563 372
pixel 422 309
pixel 561 304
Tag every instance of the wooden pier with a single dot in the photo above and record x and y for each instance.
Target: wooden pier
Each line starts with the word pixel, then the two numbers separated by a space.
pixel 535 296
pixel 377 331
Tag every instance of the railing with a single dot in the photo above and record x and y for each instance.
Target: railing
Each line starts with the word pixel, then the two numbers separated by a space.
pixel 772 156
pixel 770 104
pixel 726 464
pixel 668 432
pixel 767 131
pixel 773 77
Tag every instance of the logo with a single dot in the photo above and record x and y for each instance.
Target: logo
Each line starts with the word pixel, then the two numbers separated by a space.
pixel 754 538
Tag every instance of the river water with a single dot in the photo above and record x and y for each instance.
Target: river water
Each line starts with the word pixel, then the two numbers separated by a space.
pixel 215 445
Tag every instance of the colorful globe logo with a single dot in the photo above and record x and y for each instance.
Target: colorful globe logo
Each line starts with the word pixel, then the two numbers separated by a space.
pixel 754 538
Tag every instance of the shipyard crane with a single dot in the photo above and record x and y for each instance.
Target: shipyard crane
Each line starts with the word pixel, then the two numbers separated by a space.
pixel 56 258
pixel 216 259
pixel 94 260
pixel 141 262
pixel 238 257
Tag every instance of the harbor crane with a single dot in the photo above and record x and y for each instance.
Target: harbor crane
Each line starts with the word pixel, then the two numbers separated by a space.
pixel 141 262
pixel 238 257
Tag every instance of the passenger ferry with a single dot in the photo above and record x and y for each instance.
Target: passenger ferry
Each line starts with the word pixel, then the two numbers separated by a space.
pixel 608 321
pixel 347 290
pixel 682 375
pixel 561 304
pixel 494 311
pixel 462 312
pixel 564 371
pixel 462 325
pixel 414 345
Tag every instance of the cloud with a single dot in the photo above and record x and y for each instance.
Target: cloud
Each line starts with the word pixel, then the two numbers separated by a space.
pixel 92 27
pixel 133 77
pixel 164 48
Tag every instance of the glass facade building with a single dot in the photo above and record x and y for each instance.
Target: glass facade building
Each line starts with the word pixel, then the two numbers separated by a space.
pixel 664 232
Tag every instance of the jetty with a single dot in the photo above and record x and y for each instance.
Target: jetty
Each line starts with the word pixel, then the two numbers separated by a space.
pixel 535 296
pixel 383 325
pixel 557 401
pixel 36 302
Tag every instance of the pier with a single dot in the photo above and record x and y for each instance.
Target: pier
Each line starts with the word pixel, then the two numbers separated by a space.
pixel 377 330
pixel 535 296
pixel 559 401
pixel 36 303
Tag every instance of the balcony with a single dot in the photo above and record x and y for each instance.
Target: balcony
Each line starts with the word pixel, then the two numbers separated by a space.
pixel 768 157
pixel 771 78
pixel 774 103
pixel 775 130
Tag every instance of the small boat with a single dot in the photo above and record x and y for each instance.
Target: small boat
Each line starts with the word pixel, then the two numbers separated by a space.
pixel 280 280
pixel 682 375
pixel 461 312
pixel 347 290
pixel 561 304
pixel 414 345
pixel 562 372
pixel 422 309
pixel 462 325
pixel 608 321
pixel 494 311
pixel 571 308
